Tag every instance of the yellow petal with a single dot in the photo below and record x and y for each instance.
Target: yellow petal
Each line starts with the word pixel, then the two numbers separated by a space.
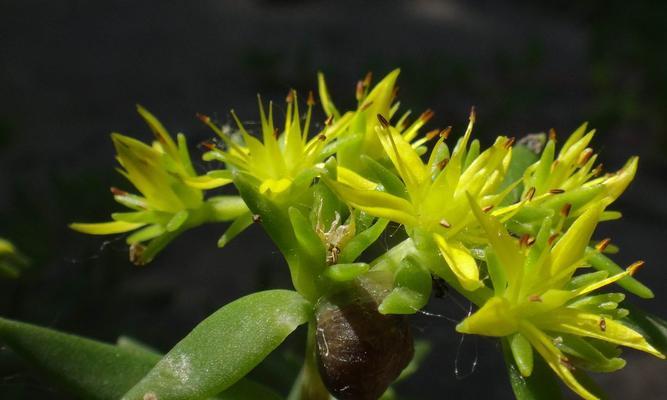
pixel 274 186
pixel 206 182
pixel 376 203
pixel 105 228
pixel 581 323
pixel 556 360
pixel 460 261
pixel 494 319
pixel 351 178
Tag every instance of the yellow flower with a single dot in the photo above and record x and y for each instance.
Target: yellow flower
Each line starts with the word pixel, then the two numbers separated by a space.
pixel 172 198
pixel 573 177
pixel 538 302
pixel 279 159
pixel 433 197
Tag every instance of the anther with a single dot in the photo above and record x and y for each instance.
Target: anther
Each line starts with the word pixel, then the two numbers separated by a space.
pixel 552 134
pixel 203 118
pixel 488 208
pixel 603 324
pixel 530 193
pixel 256 218
pixel 635 266
pixel 290 96
pixel 473 114
pixel 117 192
pixel 359 93
pixel 556 191
pixel 597 170
pixel 552 238
pixel 276 133
pixel 383 121
pixel 368 78
pixel 445 132
pixel 431 134
pixel 322 137
pixel 566 363
pixel 426 115
pixel 329 120
pixel 366 105
pixel 510 142
pixel 442 164
pixel 207 144
pixel 585 156
pixel 443 222
pixel 602 245
pixel 565 211
pixel 535 298
pixel 311 99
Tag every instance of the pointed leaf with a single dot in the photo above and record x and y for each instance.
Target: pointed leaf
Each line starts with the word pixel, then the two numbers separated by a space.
pixel 225 346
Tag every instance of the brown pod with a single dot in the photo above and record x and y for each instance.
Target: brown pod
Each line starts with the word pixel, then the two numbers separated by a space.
pixel 360 351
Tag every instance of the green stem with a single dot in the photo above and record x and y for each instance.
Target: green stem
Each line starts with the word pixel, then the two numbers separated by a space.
pixel 309 385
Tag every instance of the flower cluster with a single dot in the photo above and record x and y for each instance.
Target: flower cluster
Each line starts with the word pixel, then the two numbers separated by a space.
pixel 509 226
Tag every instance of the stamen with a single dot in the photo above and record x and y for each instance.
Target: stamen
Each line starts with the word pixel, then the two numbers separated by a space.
pixel 368 78
pixel 311 99
pixel 554 165
pixel 256 218
pixel 552 134
pixel 322 137
pixel 535 298
pixel 585 156
pixel 276 133
pixel 530 193
pixel 383 121
pixel 359 93
pixel 510 142
pixel 329 120
pixel 290 96
pixel 117 192
pixel 552 238
pixel 603 244
pixel 442 164
pixel 365 106
pixel 394 93
pixel 431 134
pixel 443 222
pixel 597 170
pixel 565 211
pixel 473 114
pixel 445 132
pixel 603 324
pixel 426 115
pixel 556 191
pixel 566 363
pixel 203 118
pixel 207 144
pixel 635 266
pixel 488 208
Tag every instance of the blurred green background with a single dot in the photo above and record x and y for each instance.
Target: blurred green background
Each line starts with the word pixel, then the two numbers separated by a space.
pixel 71 72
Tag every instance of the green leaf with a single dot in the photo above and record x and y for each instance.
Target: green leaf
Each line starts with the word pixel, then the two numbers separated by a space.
pixel 90 369
pixel 412 289
pixel 653 328
pixel 345 272
pixel 522 351
pixel 83 367
pixel 540 385
pixel 225 346
pixel 362 241
pixel 235 228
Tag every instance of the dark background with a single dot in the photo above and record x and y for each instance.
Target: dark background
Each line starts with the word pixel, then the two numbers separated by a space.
pixel 71 72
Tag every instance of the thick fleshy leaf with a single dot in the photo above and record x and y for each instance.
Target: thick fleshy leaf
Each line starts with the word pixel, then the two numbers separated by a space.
pixel 224 347
pixel 540 385
pixel 362 241
pixel 90 369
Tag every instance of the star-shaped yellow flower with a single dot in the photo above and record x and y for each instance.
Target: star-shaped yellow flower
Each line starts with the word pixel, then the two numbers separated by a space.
pixel 538 302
